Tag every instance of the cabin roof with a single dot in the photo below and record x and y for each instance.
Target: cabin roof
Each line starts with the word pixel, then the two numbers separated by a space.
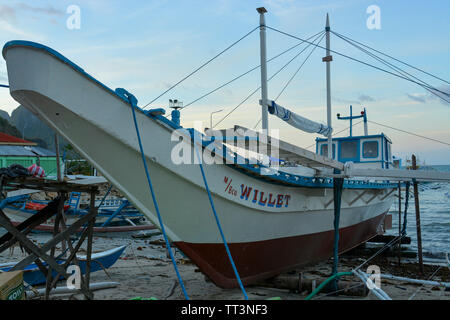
pixel 382 135
pixel 32 151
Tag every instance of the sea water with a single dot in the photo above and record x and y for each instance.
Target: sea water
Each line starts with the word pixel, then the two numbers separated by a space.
pixel 434 204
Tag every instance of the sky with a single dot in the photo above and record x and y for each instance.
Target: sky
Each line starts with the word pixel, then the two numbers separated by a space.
pixel 148 46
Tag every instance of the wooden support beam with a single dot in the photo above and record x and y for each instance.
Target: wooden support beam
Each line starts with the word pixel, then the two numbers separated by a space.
pixel 36 251
pixel 399 222
pixel 72 256
pixel 55 240
pixel 35 220
pixel 93 210
pixel 59 217
pixel 418 228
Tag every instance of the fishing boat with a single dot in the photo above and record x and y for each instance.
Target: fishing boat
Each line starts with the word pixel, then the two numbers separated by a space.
pixel 99 261
pixel 274 218
pixel 114 215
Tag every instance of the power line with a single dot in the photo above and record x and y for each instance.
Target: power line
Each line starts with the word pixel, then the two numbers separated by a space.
pixel 362 62
pixel 354 124
pixel 411 133
pixel 203 65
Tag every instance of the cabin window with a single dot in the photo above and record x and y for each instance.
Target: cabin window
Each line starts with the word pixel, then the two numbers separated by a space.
pixel 349 150
pixel 370 149
pixel 324 150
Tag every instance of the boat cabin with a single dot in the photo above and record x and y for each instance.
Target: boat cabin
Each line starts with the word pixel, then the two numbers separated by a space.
pixel 371 151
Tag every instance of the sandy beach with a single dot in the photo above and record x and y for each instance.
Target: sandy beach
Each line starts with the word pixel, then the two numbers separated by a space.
pixel 145 270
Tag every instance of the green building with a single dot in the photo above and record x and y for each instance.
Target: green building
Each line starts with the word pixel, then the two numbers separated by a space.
pixel 14 150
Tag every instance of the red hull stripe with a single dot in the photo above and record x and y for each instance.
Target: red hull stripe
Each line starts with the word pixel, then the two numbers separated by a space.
pixel 262 259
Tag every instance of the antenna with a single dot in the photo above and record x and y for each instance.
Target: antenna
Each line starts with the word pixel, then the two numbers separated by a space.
pixel 176 106
pixel 351 117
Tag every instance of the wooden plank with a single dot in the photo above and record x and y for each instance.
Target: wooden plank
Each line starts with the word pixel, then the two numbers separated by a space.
pixel 292 152
pixel 46 185
pixel 36 251
pixel 87 276
pixel 58 238
pixel 397 174
pixel 30 223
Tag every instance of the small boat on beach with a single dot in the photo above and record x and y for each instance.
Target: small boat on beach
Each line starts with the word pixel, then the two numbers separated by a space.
pixel 115 216
pixel 99 261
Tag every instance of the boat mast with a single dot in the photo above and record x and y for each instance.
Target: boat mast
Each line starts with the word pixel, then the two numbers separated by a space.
pixel 262 38
pixel 328 59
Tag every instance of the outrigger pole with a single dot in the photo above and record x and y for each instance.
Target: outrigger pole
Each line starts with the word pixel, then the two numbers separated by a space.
pixel 262 37
pixel 328 58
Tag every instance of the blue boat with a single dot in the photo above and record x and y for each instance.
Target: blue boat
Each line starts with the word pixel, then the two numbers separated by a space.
pixel 99 261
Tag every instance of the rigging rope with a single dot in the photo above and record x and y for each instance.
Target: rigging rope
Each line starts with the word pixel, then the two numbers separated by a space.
pixel 295 73
pixel 270 78
pixel 390 65
pixel 289 81
pixel 411 133
pixel 133 102
pixel 392 57
pixel 218 222
pixel 247 72
pixel 354 124
pixel 362 62
pixel 203 65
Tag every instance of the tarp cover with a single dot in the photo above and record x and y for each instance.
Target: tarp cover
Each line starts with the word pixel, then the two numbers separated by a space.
pixel 297 121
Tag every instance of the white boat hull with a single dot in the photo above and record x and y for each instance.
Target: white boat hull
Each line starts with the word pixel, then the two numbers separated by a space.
pixel 271 229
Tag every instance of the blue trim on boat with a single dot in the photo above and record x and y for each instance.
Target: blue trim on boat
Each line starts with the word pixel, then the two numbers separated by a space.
pixel 281 177
pixel 33 275
pixel 24 43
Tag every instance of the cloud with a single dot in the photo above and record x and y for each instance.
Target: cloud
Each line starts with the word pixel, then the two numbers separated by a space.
pixel 7 13
pixel 361 99
pixel 9 28
pixel 365 98
pixel 47 10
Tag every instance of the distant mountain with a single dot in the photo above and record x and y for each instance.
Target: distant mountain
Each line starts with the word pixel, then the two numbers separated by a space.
pixel 5 115
pixel 8 128
pixel 33 129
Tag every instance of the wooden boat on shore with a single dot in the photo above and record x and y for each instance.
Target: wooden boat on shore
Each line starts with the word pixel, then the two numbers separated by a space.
pixel 119 218
pixel 274 219
pixel 99 261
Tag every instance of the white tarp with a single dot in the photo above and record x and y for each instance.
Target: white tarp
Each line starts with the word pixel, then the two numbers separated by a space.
pixel 297 121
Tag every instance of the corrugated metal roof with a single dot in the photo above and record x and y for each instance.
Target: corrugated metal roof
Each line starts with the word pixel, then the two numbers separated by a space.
pixel 21 151
pixel 43 152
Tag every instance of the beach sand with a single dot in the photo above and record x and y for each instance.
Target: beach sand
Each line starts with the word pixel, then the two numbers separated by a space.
pixel 145 270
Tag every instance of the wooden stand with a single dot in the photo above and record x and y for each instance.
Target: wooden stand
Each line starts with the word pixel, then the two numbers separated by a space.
pixel 418 227
pixel 60 232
